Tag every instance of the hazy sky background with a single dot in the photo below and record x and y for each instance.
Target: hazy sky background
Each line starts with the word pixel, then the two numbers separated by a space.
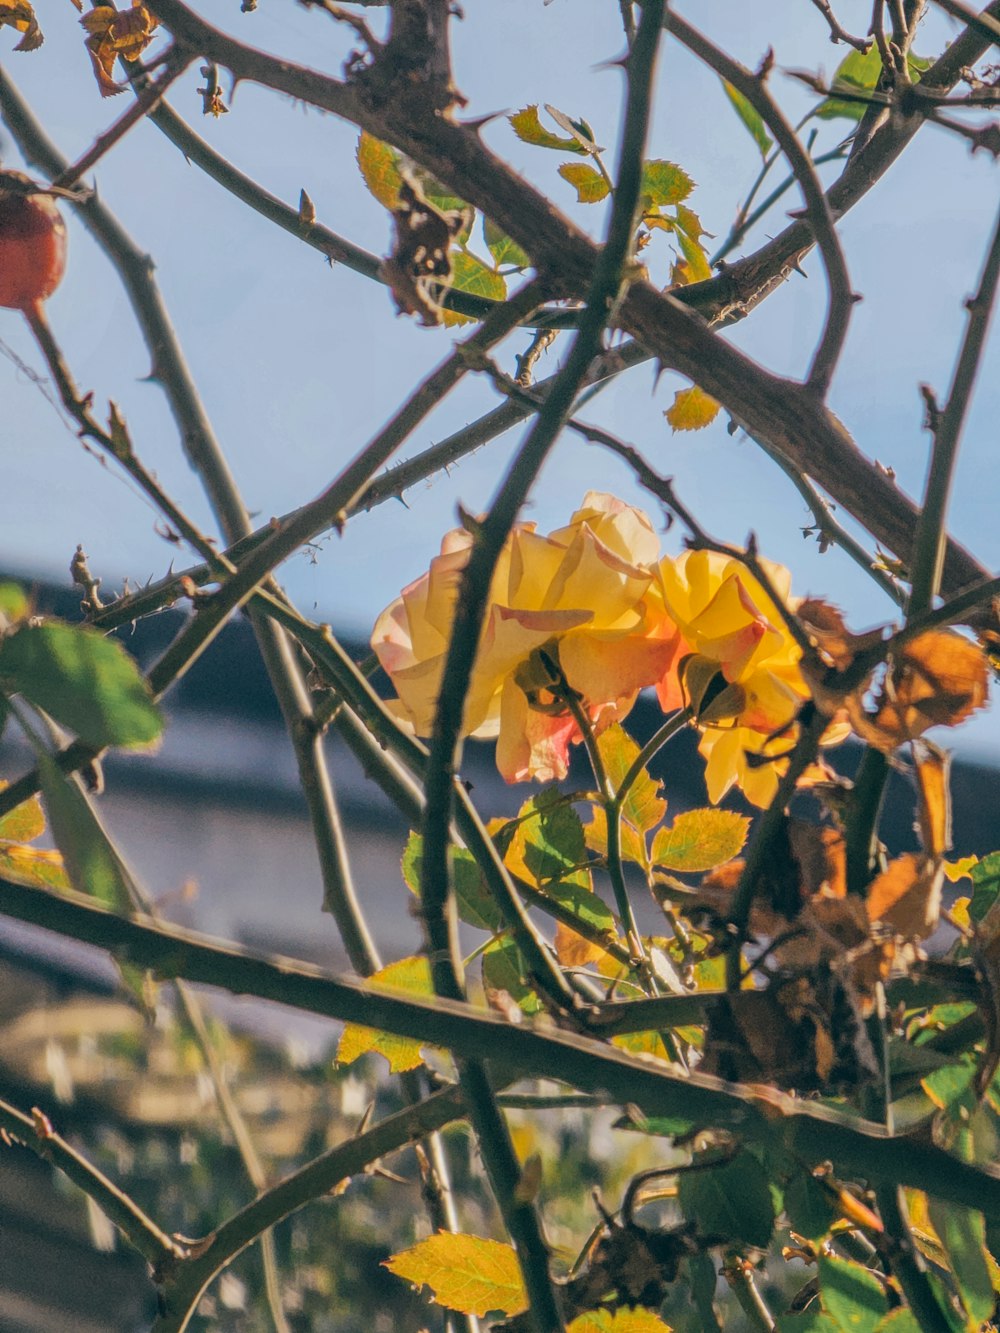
pixel 299 364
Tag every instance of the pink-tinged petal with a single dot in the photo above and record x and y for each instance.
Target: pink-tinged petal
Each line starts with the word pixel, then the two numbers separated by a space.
pixel 531 744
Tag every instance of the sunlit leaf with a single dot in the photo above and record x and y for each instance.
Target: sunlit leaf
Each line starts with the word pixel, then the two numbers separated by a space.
pixel 620 1321
pixel 664 183
pixel 632 842
pixel 732 1200
pixel 812 1320
pixel 853 1298
pixel 692 409
pixel 985 876
pixel 698 267
pixel 91 862
pixel 505 972
pixel 700 840
pixel 35 866
pixel 858 73
pixel 962 1233
pixel 502 248
pixel 465 1273
pixel 475 905
pixel 548 842
pixel 644 806
pixel 470 274
pixel 641 1043
pixel 379 167
pixel 14 605
pixel 529 128
pixel 87 682
pixel 751 118
pixel 25 822
pixel 591 187
pixel 411 976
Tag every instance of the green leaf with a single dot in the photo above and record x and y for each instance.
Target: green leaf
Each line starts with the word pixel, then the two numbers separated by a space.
pixel 470 274
pixel 853 1298
pixel 659 1126
pixel 962 1232
pixel 664 183
pixel 751 118
pixel 949 1086
pixel 812 1320
pixel 502 248
pixel 692 409
pixel 548 843
pixel 472 898
pixel 732 1200
pixel 859 72
pixel 700 840
pixel 34 866
pixel 697 261
pixel 379 167
pixel 808 1206
pixel 412 976
pixel 529 128
pixel 91 861
pixel 899 1321
pixel 704 1280
pixel 986 885
pixel 586 905
pixel 465 1273
pixel 689 222
pixel 591 187
pixel 14 605
pixel 504 969
pixel 86 682
pixel 643 806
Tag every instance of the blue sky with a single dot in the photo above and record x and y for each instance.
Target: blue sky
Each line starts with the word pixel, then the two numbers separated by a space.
pixel 300 364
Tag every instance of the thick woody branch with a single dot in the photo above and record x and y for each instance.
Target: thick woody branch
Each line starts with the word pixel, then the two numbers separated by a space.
pixel 782 413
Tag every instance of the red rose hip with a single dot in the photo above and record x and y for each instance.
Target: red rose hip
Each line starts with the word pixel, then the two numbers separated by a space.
pixel 32 243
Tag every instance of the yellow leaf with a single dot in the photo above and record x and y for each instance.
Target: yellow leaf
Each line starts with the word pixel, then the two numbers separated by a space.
pixel 591 187
pixel 412 976
pixel 465 1273
pixel 33 866
pixel 379 165
pixel 960 869
pixel 25 822
pixel 621 1321
pixel 573 950
pixel 113 33
pixel 692 409
pixel 700 840
pixel 642 1043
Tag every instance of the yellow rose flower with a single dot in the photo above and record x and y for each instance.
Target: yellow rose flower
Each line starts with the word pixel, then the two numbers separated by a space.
pixel 568 607
pixel 743 677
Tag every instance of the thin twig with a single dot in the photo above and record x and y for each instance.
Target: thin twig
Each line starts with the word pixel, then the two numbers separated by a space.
pixel 36 1133
pixel 818 211
pixel 174 62
pixel 837 33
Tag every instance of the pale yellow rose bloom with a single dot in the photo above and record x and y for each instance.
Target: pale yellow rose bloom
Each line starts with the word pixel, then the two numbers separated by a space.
pixel 727 618
pixel 574 601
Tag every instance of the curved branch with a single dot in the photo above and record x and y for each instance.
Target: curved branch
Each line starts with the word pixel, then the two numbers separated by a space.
pixel 817 207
